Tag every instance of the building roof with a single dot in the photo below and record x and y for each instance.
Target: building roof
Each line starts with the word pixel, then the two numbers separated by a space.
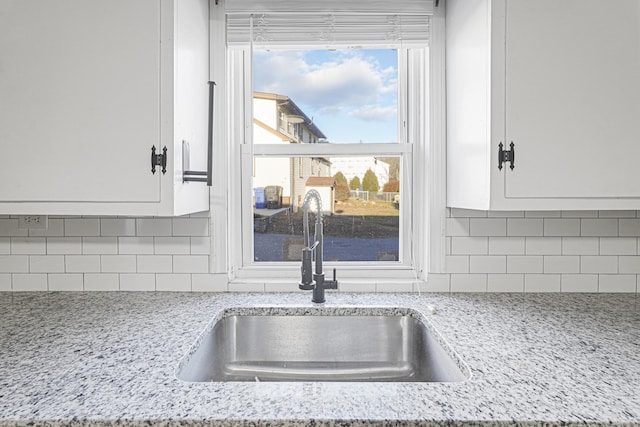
pixel 288 103
pixel 321 181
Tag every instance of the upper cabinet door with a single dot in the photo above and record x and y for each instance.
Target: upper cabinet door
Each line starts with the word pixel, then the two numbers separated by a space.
pixel 572 96
pixel 79 100
pixel 559 79
pixel 87 88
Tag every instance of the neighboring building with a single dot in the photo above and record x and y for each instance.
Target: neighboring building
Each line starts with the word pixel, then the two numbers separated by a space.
pixel 325 186
pixel 278 120
pixel 357 166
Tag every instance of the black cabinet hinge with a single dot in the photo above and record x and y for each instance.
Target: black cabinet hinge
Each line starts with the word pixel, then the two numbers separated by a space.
pixel 158 160
pixel 506 156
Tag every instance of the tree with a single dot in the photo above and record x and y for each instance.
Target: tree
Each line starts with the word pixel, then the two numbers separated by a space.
pixel 354 184
pixel 342 191
pixel 370 181
pixel 391 187
pixel 340 178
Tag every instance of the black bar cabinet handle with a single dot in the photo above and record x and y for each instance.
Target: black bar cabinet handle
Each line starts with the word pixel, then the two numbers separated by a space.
pixel 212 85
pixel 192 176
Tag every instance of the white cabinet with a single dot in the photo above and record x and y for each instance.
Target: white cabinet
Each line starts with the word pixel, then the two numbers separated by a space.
pixel 559 79
pixel 87 88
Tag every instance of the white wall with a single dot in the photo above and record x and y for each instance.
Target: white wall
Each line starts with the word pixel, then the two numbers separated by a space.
pixel 265 111
pixel 273 171
pixel 326 199
pixel 269 170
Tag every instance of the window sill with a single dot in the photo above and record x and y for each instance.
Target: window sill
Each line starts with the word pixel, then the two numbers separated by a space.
pixel 348 285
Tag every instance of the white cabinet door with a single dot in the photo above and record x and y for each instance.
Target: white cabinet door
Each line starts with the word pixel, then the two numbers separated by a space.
pixel 573 98
pixel 79 100
pixel 559 79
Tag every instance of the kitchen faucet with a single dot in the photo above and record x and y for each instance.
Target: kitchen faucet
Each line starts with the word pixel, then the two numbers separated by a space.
pixel 314 281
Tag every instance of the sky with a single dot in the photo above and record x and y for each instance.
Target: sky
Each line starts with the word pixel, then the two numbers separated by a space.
pixel 351 95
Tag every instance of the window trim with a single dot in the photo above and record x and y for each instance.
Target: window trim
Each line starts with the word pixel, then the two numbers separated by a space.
pixel 429 230
pixel 245 265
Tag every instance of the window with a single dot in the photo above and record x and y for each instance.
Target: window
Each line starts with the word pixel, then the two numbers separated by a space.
pixel 307 147
pixel 347 98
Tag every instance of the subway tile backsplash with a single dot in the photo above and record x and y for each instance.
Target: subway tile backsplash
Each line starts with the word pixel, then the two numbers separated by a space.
pixel 559 251
pixel 108 254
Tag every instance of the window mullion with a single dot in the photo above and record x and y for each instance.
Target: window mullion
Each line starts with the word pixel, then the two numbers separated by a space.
pixel 327 150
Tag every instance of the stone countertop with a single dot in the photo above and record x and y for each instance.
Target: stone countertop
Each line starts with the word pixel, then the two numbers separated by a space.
pixel 110 358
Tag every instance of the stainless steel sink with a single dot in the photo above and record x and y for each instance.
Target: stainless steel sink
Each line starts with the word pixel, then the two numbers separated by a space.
pixel 318 347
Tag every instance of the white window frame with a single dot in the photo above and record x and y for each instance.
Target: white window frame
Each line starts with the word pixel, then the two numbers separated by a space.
pixel 427 154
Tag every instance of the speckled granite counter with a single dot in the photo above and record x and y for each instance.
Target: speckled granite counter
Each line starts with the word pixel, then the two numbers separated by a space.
pixel 110 359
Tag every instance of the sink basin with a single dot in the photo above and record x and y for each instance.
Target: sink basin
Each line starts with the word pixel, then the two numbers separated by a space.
pixel 315 346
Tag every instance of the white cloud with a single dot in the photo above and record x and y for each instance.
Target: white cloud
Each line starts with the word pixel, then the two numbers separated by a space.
pixel 374 112
pixel 340 84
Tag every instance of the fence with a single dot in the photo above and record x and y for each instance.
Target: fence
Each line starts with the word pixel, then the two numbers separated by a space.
pixel 376 195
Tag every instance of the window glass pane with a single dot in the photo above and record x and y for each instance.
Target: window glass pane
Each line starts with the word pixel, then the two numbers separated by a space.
pixel 360 205
pixel 341 96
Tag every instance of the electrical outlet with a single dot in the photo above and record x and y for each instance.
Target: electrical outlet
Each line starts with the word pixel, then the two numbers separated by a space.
pixel 33 221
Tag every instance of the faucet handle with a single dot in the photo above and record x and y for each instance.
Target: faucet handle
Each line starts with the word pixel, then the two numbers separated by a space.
pixel 331 284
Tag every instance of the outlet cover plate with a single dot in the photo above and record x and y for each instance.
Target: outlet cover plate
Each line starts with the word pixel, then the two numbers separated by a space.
pixel 33 221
